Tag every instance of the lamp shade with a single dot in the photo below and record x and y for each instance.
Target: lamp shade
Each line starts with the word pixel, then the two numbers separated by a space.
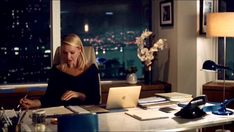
pixel 220 24
pixel 212 66
pixel 209 65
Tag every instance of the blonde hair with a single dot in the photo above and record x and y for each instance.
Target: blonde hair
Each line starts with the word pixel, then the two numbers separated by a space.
pixel 74 40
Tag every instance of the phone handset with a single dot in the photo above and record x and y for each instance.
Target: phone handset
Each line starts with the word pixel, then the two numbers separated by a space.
pixel 192 110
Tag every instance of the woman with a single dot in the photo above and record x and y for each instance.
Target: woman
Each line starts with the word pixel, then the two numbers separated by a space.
pixel 72 82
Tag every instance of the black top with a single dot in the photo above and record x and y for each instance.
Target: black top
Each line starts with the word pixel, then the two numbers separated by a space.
pixel 60 82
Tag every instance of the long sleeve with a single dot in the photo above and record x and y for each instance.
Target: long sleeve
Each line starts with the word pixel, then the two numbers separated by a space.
pixel 92 82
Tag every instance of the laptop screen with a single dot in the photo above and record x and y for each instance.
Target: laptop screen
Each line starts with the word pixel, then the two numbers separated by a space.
pixel 123 97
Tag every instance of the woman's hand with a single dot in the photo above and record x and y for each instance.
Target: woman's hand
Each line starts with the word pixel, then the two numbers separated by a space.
pixel 28 103
pixel 72 94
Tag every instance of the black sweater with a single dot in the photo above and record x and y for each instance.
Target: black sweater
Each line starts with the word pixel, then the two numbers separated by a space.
pixel 60 82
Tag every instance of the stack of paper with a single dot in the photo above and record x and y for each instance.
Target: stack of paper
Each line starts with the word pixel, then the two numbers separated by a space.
pixel 94 109
pixel 152 101
pixel 175 96
pixel 149 114
pixel 58 110
pixel 78 109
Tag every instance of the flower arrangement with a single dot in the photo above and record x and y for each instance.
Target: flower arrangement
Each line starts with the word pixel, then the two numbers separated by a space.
pixel 146 55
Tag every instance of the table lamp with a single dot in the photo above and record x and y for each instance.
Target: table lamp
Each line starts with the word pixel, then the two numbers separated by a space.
pixel 211 66
pixel 221 25
pixel 218 109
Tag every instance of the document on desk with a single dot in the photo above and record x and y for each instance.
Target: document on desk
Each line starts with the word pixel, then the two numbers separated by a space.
pixel 78 109
pixel 10 113
pixel 94 109
pixel 175 96
pixel 58 110
pixel 148 114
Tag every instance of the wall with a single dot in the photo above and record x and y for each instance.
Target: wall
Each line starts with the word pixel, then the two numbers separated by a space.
pixel 188 49
pixel 55 20
pixel 168 33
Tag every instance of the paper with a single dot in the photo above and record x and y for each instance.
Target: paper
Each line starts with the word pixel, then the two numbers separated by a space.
pixel 78 109
pixel 95 109
pixel 158 105
pixel 59 110
pixel 149 114
pixel 10 113
pixel 175 96
pixel 151 99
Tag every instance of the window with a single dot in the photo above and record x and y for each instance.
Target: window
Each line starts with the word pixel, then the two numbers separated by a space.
pixel 226 6
pixel 25 41
pixel 111 27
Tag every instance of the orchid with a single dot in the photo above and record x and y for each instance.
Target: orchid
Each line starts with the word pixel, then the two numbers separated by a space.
pixel 146 55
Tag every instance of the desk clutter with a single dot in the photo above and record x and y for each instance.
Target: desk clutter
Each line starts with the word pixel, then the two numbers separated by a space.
pixel 10 120
pixel 156 109
pixel 164 99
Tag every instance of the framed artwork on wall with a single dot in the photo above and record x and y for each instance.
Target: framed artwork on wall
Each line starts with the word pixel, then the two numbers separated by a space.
pixel 206 6
pixel 166 13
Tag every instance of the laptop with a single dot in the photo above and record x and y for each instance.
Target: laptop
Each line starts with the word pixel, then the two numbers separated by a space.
pixel 123 97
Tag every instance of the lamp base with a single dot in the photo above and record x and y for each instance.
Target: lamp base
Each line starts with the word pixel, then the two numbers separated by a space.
pixel 226 112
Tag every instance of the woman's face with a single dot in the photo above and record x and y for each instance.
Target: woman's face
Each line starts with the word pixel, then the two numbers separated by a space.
pixel 70 55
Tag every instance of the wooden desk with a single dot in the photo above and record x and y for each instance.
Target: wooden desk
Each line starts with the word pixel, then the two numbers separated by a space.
pixel 11 99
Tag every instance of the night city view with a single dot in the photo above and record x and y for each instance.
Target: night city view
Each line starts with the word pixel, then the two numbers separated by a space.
pixel 25 54
pixel 25 41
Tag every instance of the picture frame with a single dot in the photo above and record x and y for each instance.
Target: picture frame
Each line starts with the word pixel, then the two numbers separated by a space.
pixel 206 6
pixel 166 13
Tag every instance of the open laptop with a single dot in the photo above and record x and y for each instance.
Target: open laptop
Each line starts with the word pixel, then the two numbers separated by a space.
pixel 123 97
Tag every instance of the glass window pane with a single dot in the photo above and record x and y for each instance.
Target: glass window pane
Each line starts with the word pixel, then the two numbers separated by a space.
pixel 226 6
pixel 111 27
pixel 25 41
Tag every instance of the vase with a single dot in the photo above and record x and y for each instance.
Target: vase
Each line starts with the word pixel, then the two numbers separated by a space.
pixel 148 75
pixel 132 78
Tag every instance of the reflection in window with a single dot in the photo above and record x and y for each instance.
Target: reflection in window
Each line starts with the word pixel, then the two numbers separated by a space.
pixel 111 27
pixel 226 6
pixel 25 41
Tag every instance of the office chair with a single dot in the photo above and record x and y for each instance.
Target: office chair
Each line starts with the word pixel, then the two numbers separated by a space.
pixel 91 57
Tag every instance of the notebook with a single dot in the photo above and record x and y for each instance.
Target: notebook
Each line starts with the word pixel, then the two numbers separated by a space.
pixel 123 97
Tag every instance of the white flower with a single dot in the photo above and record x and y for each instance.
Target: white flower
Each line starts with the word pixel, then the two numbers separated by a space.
pixel 145 34
pixel 147 55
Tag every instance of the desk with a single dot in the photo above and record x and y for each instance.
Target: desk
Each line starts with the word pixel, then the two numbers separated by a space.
pixel 119 121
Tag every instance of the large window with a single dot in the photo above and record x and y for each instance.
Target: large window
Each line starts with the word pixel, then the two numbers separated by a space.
pixel 111 27
pixel 226 6
pixel 24 41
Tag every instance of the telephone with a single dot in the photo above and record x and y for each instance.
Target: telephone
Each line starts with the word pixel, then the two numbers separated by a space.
pixel 192 110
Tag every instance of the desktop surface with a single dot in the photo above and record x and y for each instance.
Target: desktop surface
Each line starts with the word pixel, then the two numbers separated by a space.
pixel 120 121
